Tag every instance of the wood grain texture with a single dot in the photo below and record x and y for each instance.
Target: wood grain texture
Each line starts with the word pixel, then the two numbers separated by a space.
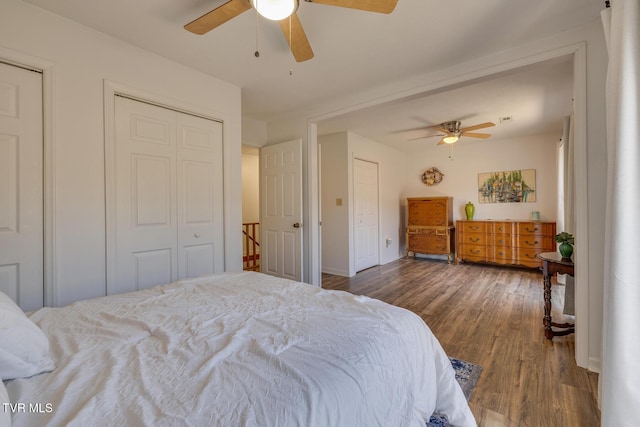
pixel 492 316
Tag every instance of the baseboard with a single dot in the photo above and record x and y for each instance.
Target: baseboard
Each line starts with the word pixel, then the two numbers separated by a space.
pixel 595 364
pixel 342 273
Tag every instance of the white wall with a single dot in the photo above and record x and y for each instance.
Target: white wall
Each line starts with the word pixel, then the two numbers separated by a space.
pixel 338 152
pixel 334 173
pixel 77 61
pixel 470 157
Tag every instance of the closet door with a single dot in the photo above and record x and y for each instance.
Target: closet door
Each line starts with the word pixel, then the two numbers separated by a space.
pixel 200 201
pixel 365 214
pixel 168 196
pixel 21 193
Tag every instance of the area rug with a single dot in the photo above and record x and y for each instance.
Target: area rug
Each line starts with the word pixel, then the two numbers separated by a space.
pixel 466 374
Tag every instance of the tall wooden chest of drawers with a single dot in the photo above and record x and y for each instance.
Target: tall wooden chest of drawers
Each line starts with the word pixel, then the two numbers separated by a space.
pixel 430 227
pixel 514 243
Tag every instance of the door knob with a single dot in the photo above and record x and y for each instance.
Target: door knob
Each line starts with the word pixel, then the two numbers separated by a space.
pixel 296 225
pixel 196 235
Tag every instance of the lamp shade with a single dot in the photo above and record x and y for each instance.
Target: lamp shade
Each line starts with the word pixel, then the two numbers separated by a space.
pixel 275 10
pixel 450 139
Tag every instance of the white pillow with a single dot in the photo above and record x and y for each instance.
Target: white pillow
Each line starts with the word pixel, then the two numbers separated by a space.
pixel 5 413
pixel 24 348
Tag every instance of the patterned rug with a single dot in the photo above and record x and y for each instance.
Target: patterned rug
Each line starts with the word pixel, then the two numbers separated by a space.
pixel 466 374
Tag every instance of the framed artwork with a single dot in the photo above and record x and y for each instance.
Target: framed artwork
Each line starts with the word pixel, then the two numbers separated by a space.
pixel 515 186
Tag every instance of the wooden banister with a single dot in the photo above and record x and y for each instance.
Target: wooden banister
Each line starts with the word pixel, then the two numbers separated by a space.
pixel 251 256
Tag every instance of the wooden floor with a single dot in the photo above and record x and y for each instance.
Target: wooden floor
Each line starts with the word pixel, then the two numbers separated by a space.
pixel 492 317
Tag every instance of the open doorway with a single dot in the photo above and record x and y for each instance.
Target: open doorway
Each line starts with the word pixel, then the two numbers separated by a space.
pixel 250 208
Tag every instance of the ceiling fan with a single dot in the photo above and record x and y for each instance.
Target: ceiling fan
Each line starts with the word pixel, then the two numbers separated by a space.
pixel 452 131
pixel 286 16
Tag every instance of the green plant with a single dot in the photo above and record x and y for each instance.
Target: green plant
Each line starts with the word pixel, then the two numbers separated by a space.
pixel 565 237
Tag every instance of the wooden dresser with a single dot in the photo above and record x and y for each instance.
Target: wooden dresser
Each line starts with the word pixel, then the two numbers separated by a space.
pixel 430 227
pixel 505 242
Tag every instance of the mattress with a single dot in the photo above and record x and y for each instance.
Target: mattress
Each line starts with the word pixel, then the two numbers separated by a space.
pixel 238 349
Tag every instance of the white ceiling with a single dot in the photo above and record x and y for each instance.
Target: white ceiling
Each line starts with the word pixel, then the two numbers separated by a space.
pixel 356 51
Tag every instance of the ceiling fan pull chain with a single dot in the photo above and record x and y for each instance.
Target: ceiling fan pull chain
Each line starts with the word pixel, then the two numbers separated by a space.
pixel 291 42
pixel 257 52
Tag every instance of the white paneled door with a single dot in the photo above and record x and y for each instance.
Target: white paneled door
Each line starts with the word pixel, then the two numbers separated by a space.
pixel 168 201
pixel 281 209
pixel 21 193
pixel 365 207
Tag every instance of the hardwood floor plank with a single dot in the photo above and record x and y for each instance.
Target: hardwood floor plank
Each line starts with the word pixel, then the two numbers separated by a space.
pixel 492 316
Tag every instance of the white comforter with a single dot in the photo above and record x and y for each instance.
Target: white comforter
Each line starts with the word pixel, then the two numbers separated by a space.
pixel 240 349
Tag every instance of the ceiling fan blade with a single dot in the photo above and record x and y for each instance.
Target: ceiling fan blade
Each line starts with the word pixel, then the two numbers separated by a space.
pixel 296 37
pixel 379 6
pixel 423 137
pixel 480 126
pixel 476 135
pixel 441 142
pixel 217 16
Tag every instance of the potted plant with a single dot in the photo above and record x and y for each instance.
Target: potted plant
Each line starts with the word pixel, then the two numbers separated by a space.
pixel 566 241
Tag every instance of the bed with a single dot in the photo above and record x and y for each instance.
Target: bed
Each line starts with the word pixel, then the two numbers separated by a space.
pixel 234 349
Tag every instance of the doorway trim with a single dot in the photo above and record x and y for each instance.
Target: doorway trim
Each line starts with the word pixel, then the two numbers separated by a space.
pixel 578 53
pixel 232 258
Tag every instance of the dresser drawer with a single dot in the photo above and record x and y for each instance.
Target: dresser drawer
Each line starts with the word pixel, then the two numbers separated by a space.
pixel 528 258
pixel 472 252
pixel 428 243
pixel 536 228
pixel 473 227
pixel 500 240
pixel 532 242
pixel 474 239
pixel 502 255
pixel 432 231
pixel 501 227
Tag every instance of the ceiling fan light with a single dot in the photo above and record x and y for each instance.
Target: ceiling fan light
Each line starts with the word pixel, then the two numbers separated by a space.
pixel 450 139
pixel 275 10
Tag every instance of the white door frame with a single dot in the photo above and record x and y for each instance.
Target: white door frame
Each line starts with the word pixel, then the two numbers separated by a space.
pixel 22 60
pixel 232 257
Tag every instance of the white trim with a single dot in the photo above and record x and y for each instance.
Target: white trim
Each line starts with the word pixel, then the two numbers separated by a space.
pixel 336 272
pixel 113 89
pixel 20 59
pixel 581 207
pixel 312 207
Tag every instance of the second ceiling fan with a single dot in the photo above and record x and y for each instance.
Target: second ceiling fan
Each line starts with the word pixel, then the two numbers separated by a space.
pixel 452 132
pixel 288 19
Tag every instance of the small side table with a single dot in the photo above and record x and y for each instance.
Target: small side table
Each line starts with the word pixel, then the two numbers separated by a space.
pixel 553 262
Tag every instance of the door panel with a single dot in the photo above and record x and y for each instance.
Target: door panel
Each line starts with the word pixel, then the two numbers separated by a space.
pixel 21 191
pixel 200 201
pixel 281 209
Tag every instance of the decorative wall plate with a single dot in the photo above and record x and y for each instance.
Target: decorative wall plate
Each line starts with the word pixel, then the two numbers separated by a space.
pixel 432 176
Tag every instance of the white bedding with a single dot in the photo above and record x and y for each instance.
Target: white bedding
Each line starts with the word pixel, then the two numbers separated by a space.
pixel 241 349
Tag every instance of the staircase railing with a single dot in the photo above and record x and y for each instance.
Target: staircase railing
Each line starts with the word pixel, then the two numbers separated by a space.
pixel 251 246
